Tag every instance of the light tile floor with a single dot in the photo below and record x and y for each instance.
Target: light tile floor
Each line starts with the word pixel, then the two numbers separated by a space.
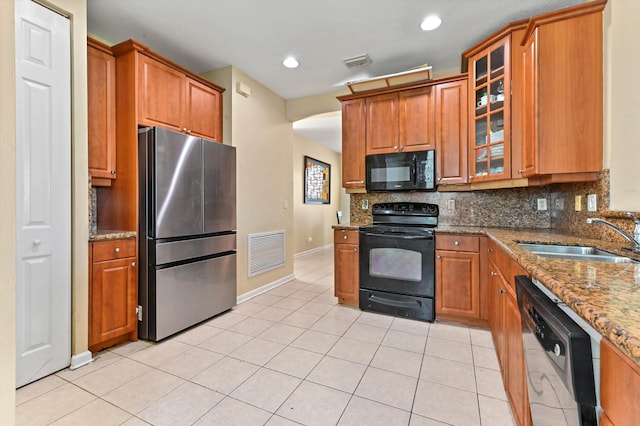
pixel 289 356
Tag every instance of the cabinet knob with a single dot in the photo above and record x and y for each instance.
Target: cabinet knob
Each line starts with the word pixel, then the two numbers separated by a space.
pixel 184 129
pixel 490 250
pixel 395 148
pixel 133 264
pixel 113 172
pixel 493 274
pixel 438 257
pixel 439 179
pixel 36 242
pixel 520 171
pixel 500 291
pixel 401 148
pixel 470 177
pixel 117 250
pixel 345 237
pixel 456 243
pixel 355 249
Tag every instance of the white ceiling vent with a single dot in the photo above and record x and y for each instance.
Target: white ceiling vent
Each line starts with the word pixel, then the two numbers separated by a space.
pixel 358 61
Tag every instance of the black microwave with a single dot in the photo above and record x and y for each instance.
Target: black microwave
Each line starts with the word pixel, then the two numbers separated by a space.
pixel 402 171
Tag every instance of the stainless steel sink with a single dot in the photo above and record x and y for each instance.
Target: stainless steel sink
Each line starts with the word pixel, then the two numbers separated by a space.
pixel 575 253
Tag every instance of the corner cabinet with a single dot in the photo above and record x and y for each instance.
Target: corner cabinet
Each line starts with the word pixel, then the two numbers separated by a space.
pixel 101 94
pixel 346 266
pixel 113 293
pixel 562 54
pixel 489 111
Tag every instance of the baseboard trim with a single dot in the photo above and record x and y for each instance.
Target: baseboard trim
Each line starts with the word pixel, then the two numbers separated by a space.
pixel 260 290
pixel 80 360
pixel 314 250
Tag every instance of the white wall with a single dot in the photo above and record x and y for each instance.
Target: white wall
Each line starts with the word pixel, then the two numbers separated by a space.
pixel 314 220
pixel 622 102
pixel 76 10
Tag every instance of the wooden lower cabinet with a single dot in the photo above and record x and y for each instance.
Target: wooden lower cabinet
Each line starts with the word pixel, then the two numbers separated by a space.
pixel 619 387
pixel 506 327
pixel 346 266
pixel 113 293
pixel 458 276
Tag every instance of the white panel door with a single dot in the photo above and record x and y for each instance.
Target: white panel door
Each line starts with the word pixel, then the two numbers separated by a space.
pixel 43 185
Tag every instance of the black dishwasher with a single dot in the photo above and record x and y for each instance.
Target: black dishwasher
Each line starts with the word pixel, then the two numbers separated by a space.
pixel 558 361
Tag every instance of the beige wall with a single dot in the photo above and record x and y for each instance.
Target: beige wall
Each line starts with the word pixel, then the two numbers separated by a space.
pixel 263 137
pixel 7 214
pixel 622 102
pixel 76 10
pixel 314 220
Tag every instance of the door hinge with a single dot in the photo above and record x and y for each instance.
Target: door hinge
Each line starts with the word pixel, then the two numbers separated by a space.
pixel 139 312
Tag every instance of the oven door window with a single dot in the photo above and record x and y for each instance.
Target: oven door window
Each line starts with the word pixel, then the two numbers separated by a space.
pixel 395 264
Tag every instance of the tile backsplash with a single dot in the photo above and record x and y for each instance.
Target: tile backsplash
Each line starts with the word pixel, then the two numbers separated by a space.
pixel 513 207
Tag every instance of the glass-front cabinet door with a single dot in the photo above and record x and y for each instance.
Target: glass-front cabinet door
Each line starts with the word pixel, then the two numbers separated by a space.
pixel 489 144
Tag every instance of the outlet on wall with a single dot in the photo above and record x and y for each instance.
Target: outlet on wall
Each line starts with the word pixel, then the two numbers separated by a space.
pixel 365 204
pixel 451 204
pixel 578 203
pixel 592 202
pixel 542 204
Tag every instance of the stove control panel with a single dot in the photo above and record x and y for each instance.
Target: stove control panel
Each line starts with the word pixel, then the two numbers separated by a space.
pixel 411 209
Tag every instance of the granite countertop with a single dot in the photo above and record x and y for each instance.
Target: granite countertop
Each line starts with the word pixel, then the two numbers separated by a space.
pixel 111 234
pixel 606 295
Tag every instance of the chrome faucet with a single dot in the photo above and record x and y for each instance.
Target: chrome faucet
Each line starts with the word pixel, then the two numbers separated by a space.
pixel 636 228
pixel 633 240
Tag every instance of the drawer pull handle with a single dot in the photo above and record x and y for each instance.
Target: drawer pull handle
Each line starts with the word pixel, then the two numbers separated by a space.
pixel 117 250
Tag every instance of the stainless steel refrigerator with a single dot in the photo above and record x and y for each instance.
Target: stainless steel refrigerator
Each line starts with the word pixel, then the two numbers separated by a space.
pixel 187 231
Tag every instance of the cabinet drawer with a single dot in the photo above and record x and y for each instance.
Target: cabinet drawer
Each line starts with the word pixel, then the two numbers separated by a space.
pixel 113 249
pixel 457 242
pixel 343 236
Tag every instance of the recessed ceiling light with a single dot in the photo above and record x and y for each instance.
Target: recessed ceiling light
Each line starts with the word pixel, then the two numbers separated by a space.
pixel 431 22
pixel 290 62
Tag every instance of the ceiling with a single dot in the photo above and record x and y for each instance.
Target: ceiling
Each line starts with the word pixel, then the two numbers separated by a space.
pixel 256 35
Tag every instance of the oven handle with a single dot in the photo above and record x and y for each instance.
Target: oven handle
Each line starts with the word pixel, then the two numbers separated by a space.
pixel 398 303
pixel 401 236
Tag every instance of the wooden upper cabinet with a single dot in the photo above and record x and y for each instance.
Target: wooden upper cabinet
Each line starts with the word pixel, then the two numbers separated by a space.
pixel 400 121
pixel 101 87
pixel 161 94
pixel 353 143
pixel 382 123
pixel 166 94
pixel 415 119
pixel 202 103
pixel 563 85
pixel 451 132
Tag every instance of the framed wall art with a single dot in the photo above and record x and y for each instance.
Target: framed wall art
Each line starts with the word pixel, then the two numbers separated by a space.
pixel 317 181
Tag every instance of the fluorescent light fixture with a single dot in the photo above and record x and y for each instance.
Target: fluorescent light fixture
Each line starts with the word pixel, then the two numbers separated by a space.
pixel 290 62
pixel 431 22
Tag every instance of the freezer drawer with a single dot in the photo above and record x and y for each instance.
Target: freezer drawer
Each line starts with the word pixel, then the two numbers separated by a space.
pixel 188 294
pixel 175 251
